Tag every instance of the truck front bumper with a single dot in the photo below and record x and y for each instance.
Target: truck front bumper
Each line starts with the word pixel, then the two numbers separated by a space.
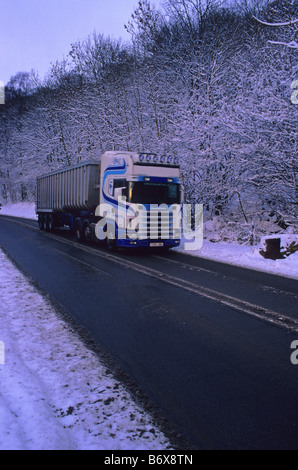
pixel 127 243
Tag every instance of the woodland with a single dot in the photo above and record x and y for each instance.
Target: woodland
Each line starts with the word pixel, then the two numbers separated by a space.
pixel 212 82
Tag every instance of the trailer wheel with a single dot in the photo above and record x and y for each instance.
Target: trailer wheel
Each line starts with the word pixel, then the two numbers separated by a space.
pixel 45 223
pixel 50 223
pixel 40 221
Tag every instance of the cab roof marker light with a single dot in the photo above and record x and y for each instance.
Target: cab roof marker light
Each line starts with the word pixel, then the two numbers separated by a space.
pixel 150 158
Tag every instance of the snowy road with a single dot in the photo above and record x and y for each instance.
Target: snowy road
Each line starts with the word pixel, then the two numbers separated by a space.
pixel 222 375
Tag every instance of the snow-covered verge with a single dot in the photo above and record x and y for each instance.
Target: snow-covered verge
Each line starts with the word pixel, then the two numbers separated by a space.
pixel 231 253
pixel 55 393
pixel 247 257
pixel 21 209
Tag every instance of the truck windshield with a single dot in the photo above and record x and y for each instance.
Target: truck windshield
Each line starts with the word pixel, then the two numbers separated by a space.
pixel 153 193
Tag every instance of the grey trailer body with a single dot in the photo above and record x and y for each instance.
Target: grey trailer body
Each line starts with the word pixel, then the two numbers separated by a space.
pixel 72 189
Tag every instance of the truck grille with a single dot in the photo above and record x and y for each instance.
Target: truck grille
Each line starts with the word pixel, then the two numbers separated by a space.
pixel 157 225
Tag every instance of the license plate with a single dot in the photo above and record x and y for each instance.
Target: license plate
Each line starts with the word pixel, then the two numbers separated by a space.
pixel 156 244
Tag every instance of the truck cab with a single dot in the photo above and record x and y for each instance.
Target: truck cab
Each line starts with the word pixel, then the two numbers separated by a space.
pixel 140 198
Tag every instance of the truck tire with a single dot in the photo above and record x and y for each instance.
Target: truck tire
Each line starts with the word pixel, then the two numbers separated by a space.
pixel 40 221
pixel 79 231
pixel 111 242
pixel 50 223
pixel 45 223
pixel 87 231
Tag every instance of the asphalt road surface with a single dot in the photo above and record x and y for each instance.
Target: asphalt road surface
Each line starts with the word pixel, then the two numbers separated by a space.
pixel 209 343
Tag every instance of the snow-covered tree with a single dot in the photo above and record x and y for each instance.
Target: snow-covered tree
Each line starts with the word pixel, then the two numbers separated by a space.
pixel 283 16
pixel 200 79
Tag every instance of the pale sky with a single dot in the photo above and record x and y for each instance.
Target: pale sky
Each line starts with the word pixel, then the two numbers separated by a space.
pixel 34 33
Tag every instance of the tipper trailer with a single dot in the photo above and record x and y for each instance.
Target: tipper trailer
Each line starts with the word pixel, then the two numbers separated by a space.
pixel 129 199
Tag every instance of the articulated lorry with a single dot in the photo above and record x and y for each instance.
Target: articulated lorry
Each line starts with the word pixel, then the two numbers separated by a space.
pixel 127 199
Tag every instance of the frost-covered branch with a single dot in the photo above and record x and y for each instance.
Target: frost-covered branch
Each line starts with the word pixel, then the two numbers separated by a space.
pixel 291 45
pixel 292 23
pixel 286 23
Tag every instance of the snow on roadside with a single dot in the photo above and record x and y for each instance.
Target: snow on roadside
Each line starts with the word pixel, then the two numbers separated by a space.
pixel 246 257
pixel 55 394
pixel 21 209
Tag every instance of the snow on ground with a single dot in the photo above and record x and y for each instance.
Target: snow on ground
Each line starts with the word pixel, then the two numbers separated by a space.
pixel 231 253
pixel 55 394
pixel 21 209
pixel 247 257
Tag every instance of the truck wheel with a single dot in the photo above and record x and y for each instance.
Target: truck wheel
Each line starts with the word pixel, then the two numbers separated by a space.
pixel 50 223
pixel 40 221
pixel 111 242
pixel 45 223
pixel 87 231
pixel 79 231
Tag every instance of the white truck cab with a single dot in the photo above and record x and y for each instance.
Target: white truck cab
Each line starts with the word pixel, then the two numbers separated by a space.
pixel 140 193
